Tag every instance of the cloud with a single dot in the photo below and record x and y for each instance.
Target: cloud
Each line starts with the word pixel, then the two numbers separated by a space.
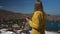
pixel 1 6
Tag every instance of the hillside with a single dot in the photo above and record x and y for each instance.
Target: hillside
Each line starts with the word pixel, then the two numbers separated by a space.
pixel 4 14
pixel 7 15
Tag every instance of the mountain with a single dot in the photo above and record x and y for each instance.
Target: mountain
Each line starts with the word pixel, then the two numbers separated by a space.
pixel 53 17
pixel 7 15
pixel 4 14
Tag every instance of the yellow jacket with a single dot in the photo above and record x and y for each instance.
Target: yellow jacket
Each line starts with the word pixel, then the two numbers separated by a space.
pixel 38 23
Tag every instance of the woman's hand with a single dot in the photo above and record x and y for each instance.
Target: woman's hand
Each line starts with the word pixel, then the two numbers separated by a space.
pixel 27 19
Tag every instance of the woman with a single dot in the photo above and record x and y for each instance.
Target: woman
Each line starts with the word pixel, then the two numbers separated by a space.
pixel 37 23
pixel 38 20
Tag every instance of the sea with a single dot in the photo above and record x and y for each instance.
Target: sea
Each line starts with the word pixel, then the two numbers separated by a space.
pixel 53 26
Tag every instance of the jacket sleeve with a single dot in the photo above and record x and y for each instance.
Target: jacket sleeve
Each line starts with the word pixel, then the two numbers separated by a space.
pixel 34 23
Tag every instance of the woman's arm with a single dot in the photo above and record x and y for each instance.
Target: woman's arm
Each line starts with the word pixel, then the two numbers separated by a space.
pixel 35 22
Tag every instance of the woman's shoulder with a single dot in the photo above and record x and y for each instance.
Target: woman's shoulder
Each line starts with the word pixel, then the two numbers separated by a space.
pixel 38 12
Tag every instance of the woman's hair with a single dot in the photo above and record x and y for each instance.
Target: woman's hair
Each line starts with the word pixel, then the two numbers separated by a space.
pixel 38 6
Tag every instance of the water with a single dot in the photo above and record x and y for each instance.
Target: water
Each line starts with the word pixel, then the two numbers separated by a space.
pixel 53 26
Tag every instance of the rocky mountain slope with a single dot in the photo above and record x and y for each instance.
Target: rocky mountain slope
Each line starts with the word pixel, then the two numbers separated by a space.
pixel 7 15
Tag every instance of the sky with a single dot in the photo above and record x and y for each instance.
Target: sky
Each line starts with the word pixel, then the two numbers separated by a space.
pixel 27 6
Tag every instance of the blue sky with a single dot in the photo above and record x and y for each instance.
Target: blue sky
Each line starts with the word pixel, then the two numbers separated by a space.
pixel 27 6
